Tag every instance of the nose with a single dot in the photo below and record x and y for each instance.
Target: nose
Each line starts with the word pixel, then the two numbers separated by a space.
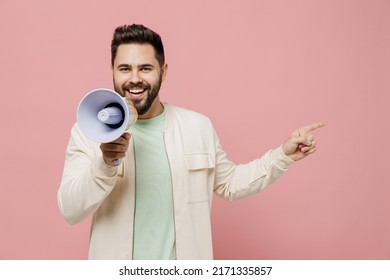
pixel 135 77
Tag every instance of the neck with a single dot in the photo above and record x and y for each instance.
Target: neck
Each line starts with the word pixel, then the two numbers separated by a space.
pixel 156 109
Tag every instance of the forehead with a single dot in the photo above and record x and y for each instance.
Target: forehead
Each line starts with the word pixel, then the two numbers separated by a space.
pixel 135 54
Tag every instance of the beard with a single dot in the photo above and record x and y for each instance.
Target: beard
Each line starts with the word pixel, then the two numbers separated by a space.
pixel 142 105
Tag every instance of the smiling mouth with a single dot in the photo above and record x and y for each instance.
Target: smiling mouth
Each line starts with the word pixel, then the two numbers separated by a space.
pixel 136 92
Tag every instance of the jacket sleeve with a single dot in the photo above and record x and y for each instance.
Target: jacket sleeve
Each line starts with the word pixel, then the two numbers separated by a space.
pixel 238 181
pixel 86 181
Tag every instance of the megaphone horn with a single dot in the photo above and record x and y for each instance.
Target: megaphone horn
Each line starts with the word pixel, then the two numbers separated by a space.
pixel 103 115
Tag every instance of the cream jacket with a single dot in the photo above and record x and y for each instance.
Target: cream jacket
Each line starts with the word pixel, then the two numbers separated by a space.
pixel 199 168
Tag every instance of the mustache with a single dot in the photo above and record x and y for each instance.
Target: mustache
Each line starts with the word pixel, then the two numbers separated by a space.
pixel 137 85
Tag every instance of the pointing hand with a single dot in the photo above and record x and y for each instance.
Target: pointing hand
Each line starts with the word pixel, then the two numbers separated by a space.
pixel 301 142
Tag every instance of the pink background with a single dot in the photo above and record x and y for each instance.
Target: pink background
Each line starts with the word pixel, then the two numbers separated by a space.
pixel 259 69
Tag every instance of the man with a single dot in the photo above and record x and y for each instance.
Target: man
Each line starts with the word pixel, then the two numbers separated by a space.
pixel 156 203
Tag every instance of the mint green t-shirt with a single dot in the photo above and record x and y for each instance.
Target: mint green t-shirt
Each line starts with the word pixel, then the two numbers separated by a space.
pixel 154 234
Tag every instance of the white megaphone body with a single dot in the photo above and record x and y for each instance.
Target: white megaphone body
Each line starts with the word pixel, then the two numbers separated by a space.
pixel 103 115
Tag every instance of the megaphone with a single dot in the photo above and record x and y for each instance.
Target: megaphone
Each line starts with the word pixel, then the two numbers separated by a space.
pixel 103 115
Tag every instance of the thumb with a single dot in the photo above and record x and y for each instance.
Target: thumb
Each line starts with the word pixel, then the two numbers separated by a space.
pixel 292 144
pixel 126 135
pixel 299 140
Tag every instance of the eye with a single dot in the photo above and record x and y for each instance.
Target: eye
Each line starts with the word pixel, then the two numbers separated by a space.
pixel 146 69
pixel 124 69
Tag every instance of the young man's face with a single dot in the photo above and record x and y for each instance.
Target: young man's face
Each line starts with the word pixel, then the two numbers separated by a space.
pixel 138 76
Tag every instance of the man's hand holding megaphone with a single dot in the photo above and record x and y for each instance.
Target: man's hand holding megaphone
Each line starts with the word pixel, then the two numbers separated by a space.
pixel 115 150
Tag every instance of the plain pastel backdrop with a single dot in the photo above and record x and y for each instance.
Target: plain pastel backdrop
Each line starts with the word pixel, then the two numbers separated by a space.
pixel 259 69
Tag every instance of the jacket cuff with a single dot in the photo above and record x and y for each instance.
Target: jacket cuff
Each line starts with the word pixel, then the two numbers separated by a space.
pixel 103 169
pixel 280 159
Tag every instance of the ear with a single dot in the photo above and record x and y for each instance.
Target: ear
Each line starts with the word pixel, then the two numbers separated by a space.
pixel 164 71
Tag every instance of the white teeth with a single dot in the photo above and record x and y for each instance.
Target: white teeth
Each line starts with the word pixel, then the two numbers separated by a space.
pixel 135 91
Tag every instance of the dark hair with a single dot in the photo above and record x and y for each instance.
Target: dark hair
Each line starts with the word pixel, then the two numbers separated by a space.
pixel 139 34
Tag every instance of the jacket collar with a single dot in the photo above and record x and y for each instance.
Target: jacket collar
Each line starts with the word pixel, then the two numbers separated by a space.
pixel 168 115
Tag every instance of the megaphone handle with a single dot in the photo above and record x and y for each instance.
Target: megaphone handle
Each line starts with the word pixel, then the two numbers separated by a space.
pixel 117 161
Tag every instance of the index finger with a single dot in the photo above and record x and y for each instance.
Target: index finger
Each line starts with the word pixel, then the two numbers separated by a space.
pixel 311 127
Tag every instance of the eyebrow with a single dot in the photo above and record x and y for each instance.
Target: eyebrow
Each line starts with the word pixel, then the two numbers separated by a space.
pixel 146 65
